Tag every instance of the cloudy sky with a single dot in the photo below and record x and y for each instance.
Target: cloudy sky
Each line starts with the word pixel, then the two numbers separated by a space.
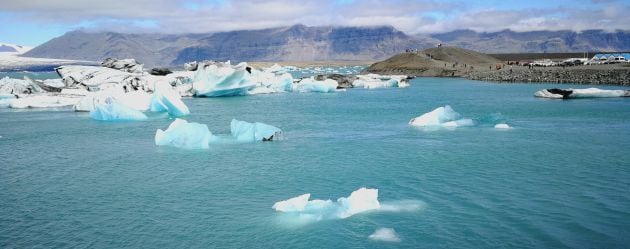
pixel 32 22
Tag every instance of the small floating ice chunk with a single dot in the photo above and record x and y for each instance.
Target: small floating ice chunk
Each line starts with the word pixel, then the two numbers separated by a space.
pixel 359 201
pixel 385 234
pixel 442 116
pixel 249 132
pixel 111 110
pixel 312 85
pixel 502 126
pixel 295 204
pixel 182 134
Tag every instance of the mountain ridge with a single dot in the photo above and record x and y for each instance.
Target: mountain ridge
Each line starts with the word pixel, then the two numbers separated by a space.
pixel 318 43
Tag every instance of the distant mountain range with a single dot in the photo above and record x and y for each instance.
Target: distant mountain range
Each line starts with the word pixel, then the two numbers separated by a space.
pixel 12 48
pixel 302 43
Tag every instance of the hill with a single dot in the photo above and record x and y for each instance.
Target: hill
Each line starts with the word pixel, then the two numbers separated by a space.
pixel 442 61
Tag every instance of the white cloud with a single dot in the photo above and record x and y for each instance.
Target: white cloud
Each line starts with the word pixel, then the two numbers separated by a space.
pixel 177 16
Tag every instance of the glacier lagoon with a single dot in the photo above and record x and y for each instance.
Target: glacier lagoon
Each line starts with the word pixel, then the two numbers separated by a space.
pixel 558 178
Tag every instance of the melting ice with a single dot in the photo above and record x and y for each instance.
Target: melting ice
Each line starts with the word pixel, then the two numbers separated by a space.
pixel 441 117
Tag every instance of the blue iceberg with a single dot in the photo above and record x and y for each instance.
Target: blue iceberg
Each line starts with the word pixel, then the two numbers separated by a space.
pixel 114 111
pixel 249 132
pixel 170 103
pixel 222 79
pixel 182 134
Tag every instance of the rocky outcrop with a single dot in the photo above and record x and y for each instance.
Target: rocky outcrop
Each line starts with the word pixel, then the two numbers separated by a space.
pixel 160 71
pixel 584 75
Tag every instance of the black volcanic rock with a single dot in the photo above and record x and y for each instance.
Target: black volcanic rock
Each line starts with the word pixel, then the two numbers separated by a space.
pixel 160 71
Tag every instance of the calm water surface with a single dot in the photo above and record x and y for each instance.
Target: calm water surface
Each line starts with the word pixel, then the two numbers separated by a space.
pixel 559 179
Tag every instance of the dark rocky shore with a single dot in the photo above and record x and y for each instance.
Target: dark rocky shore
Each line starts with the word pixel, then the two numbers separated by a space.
pixel 592 75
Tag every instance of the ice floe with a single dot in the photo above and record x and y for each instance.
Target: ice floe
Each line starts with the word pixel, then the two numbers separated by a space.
pixel 249 132
pixel 167 101
pixel 385 234
pixel 182 134
pixel 555 93
pixel 359 201
pixel 41 101
pixel 112 110
pixel 441 117
pixel 372 81
pixel 312 85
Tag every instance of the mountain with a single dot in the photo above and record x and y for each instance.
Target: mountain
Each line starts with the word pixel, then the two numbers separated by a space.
pixel 295 43
pixel 12 48
pixel 508 41
pixel 302 43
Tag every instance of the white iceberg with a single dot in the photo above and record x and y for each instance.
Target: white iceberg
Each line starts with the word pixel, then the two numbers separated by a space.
pixel 441 117
pixel 249 132
pixel 555 93
pixel 372 81
pixel 312 85
pixel 361 200
pixel 266 82
pixel 168 102
pixel 385 234
pixel 111 110
pixel 502 126
pixel 137 100
pixel 182 134
pixel 222 79
pixel 41 101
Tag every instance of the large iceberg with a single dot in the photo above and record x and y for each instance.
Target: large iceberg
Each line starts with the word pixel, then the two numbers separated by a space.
pixel 441 117
pixel 182 134
pixel 380 81
pixel 267 82
pixel 249 132
pixel 222 79
pixel 312 85
pixel 111 110
pixel 555 93
pixel 359 201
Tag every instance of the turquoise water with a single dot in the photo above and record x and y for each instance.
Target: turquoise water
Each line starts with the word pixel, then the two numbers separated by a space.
pixel 560 178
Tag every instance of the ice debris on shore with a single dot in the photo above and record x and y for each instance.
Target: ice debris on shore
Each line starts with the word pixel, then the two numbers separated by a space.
pixel 182 134
pixel 441 117
pixel 249 132
pixel 385 234
pixel 555 93
pixel 359 201
pixel 111 110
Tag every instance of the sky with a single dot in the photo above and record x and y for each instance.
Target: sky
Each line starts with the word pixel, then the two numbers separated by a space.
pixel 32 22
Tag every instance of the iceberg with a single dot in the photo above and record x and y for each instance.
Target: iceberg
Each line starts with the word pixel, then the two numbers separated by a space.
pixel 385 234
pixel 111 110
pixel 182 134
pixel 266 82
pixel 222 79
pixel 441 117
pixel 127 65
pixel 168 102
pixel 502 126
pixel 359 201
pixel 372 81
pixel 137 100
pixel 555 93
pixel 249 132
pixel 41 101
pixel 312 85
